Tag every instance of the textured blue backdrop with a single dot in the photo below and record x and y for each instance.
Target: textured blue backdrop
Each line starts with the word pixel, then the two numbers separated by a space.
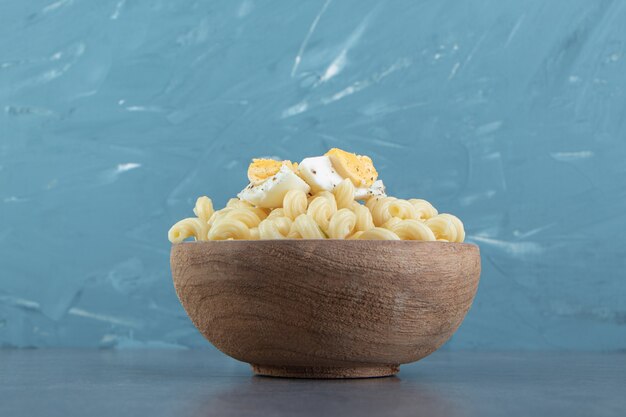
pixel 116 114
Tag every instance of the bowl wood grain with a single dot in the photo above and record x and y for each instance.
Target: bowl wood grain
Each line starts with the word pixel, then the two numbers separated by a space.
pixel 326 308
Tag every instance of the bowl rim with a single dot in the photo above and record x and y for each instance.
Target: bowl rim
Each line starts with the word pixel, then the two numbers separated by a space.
pixel 347 241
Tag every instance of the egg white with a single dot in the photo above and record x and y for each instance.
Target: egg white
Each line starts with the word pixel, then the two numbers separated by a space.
pixel 271 192
pixel 319 173
pixel 376 190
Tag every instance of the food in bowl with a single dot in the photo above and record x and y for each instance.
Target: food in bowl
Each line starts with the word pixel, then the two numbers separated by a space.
pixel 334 196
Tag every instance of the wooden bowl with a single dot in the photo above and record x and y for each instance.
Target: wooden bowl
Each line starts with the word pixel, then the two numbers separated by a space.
pixel 326 308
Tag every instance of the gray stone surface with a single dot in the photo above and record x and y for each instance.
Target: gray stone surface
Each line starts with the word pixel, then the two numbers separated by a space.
pixel 206 383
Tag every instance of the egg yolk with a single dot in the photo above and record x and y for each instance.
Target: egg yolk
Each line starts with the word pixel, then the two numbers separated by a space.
pixel 358 168
pixel 262 169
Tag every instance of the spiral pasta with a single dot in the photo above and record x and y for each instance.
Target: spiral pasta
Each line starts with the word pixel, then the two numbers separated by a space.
pixel 295 203
pixel 341 224
pixel 411 229
pixel 391 222
pixel 363 217
pixel 402 209
pixel 443 228
pixel 186 228
pixel 283 224
pixel 452 231
pixel 204 208
pixel 279 212
pixel 237 203
pixel 244 215
pixel 356 235
pixel 335 196
pixel 325 215
pixel 344 194
pixel 321 209
pixel 269 230
pixel 305 227
pixel 229 229
pixel 424 209
pixel 380 209
pixel 378 233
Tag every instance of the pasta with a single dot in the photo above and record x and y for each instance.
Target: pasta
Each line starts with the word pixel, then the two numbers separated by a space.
pixel 295 203
pixel 341 224
pixel 237 203
pixel 344 194
pixel 204 208
pixel 378 233
pixel 229 229
pixel 323 215
pixel 244 215
pixel 322 208
pixel 443 228
pixel 316 200
pixel 186 228
pixel 306 227
pixel 391 222
pixel 279 212
pixel 269 230
pixel 402 209
pixel 363 217
pixel 424 209
pixel 447 227
pixel 283 224
pixel 412 230
pixel 380 209
pixel 356 235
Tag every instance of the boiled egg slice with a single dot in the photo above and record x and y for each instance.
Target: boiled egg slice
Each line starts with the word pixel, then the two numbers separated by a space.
pixel 261 169
pixel 358 168
pixel 376 190
pixel 270 192
pixel 319 173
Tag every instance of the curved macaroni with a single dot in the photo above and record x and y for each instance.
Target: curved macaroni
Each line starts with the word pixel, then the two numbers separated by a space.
pixel 284 206
pixel 402 209
pixel 411 229
pixel 391 222
pixel 363 217
pixel 305 227
pixel 458 225
pixel 204 208
pixel 424 209
pixel 269 230
pixel 244 215
pixel 283 224
pixel 356 235
pixel 328 196
pixel 378 233
pixel 229 229
pixel 279 212
pixel 321 209
pixel 186 228
pixel 295 203
pixel 380 209
pixel 237 203
pixel 344 194
pixel 341 224
pixel 443 228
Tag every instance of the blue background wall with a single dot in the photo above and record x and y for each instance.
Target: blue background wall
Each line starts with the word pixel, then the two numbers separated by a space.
pixel 115 115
